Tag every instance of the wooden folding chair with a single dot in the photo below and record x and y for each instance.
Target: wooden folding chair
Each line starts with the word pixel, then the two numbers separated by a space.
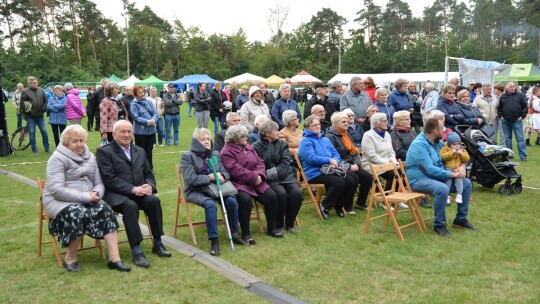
pixel 43 217
pixel 406 187
pixel 181 200
pixel 304 184
pixel 391 199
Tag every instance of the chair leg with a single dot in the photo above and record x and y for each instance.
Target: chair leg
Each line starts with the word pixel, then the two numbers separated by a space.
pixel 368 214
pixel 190 224
pixel 258 216
pixel 149 229
pixel 56 251
pixel 40 234
pixel 178 202
pixel 315 201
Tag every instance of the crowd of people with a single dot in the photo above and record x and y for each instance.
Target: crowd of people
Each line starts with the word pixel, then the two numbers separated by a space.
pixel 255 140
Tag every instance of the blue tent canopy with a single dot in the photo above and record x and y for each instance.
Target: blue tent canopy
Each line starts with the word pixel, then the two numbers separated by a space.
pixel 192 80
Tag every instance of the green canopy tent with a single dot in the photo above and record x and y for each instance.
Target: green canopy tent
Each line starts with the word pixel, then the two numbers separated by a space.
pixel 151 81
pixel 519 72
pixel 115 78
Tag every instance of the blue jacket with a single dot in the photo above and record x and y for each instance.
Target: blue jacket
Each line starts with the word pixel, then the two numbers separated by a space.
pixel 400 101
pixel 470 114
pixel 424 161
pixel 356 133
pixel 452 114
pixel 141 112
pixel 387 109
pixel 314 152
pixel 57 110
pixel 282 105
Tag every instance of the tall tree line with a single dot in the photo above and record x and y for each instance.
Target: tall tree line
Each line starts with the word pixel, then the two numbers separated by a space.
pixel 70 40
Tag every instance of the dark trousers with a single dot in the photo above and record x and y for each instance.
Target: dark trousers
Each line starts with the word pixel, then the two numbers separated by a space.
pixel 56 131
pixel 388 178
pixel 96 117
pixel 129 209
pixel 147 143
pixel 364 180
pixel 339 191
pixel 90 119
pixel 268 199
pixel 289 199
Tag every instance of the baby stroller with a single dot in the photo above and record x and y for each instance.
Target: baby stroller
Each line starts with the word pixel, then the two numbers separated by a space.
pixel 489 164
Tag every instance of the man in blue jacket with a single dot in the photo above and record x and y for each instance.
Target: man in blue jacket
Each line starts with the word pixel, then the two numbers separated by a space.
pixel 427 174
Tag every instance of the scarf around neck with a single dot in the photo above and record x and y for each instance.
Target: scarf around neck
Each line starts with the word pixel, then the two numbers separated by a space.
pixel 349 145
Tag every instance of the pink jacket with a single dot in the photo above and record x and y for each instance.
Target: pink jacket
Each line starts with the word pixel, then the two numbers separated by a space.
pixel 244 166
pixel 74 106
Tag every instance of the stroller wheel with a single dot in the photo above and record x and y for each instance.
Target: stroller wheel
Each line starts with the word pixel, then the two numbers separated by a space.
pixel 505 189
pixel 517 188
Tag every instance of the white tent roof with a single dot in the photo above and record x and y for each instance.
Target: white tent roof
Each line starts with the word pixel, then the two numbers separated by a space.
pixel 246 77
pixel 434 77
pixel 130 81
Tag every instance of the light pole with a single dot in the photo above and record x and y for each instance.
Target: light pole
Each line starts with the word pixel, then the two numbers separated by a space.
pixel 127 45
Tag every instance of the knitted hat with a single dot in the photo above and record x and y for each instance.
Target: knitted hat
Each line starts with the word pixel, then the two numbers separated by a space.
pixel 452 138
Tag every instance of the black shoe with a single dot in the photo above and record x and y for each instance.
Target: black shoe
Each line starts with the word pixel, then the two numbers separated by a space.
pixel 442 231
pixel 528 142
pixel 73 267
pixel 339 212
pixel 214 247
pixel 118 265
pixel 324 212
pixel 463 224
pixel 161 251
pixel 140 260
pixel 276 233
pixel 425 204
pixel 237 239
pixel 360 206
pixel 248 240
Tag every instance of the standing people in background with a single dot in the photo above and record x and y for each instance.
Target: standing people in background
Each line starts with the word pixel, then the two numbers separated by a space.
pixel 369 87
pixel 294 94
pixel 49 92
pixel 191 101
pixel 401 99
pixel 90 109
pixel 320 98
pixel 172 103
pixel 217 111
pixel 334 95
pixel 487 104
pixel 75 110
pixel 283 104
pixel 242 98
pixel 159 105
pixel 498 90
pixel 254 107
pixel 430 99
pixel 513 109
pixel 108 111
pixel 356 99
pixel 233 92
pixel 57 110
pixel 534 103
pixel 268 97
pixel 202 106
pixel 34 103
pixel 384 107
pixel 16 100
pixel 126 100
pixel 130 186
pixel 97 97
pixel 145 117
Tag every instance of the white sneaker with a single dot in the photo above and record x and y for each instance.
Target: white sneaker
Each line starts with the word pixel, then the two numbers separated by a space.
pixel 449 201
pixel 459 199
pixel 403 206
pixel 384 206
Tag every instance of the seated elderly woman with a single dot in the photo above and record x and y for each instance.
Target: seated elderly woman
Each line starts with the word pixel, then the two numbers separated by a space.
pixel 279 174
pixel 248 175
pixel 254 135
pixel 344 145
pixel 372 109
pixel 314 152
pixel 291 134
pixel 377 147
pixel 197 177
pixel 72 200
pixel 402 134
pixel 355 130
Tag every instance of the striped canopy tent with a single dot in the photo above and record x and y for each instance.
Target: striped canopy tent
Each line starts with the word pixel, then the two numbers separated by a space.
pixel 274 81
pixel 304 78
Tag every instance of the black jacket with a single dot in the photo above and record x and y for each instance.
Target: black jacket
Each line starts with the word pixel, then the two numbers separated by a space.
pixel 401 140
pixel 328 106
pixel 337 142
pixel 218 98
pixel 512 106
pixel 277 161
pixel 202 101
pixel 471 114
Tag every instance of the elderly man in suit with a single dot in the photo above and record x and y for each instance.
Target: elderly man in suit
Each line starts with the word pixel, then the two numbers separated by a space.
pixel 130 186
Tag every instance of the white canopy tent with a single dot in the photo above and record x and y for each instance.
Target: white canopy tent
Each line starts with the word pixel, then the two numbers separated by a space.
pixel 387 78
pixel 129 82
pixel 244 78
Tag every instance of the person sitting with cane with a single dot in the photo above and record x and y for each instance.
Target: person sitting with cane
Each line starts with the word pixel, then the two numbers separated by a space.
pixel 198 176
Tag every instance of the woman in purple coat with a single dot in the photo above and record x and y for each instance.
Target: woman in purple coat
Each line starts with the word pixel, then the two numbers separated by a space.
pixel 248 174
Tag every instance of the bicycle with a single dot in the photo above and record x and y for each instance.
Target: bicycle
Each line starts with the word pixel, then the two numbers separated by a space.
pixel 20 139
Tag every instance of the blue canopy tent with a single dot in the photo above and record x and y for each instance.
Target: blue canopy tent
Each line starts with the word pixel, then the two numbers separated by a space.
pixel 192 80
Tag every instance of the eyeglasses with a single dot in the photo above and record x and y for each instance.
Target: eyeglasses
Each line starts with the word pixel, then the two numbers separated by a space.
pixel 315 125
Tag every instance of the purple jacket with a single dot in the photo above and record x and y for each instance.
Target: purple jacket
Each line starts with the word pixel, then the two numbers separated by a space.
pixel 74 106
pixel 244 165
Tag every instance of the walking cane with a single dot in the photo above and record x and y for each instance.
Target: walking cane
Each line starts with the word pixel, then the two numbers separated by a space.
pixel 212 161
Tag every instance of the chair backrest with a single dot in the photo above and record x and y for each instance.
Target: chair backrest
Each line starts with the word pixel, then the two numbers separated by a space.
pixel 41 185
pixel 304 182
pixel 403 177
pixel 180 182
pixel 376 171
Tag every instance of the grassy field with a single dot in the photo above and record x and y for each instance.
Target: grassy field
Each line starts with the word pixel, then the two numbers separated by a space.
pixel 327 262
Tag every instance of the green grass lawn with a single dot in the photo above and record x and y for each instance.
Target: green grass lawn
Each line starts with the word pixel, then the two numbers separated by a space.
pixel 327 262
